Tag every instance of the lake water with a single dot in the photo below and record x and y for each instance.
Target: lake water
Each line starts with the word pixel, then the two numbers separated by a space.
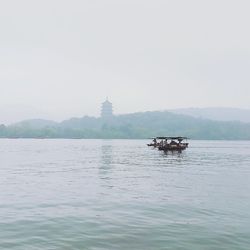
pixel 120 194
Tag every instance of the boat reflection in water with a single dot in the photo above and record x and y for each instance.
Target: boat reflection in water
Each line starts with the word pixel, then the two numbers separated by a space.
pixel 168 143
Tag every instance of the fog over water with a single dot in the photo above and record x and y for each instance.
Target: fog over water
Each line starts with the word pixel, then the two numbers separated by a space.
pixel 62 58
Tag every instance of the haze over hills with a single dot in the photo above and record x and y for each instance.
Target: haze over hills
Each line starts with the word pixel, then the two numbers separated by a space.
pixel 216 113
pixel 35 123
pixel 135 125
pixel 211 113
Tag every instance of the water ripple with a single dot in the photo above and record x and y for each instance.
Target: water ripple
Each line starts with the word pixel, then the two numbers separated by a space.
pixel 120 194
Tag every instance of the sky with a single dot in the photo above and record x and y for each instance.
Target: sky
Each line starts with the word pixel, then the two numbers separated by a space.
pixel 62 58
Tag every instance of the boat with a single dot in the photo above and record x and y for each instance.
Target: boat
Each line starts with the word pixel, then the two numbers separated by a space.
pixel 169 143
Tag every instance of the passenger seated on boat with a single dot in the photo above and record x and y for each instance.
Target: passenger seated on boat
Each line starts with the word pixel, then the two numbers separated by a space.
pixel 173 143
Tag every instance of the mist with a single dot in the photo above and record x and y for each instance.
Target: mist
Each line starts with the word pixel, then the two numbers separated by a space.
pixel 60 59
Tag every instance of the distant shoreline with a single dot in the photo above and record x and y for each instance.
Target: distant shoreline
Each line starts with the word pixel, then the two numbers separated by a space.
pixel 34 138
pixel 131 126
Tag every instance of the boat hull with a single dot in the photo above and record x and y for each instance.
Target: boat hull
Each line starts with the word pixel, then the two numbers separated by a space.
pixel 174 147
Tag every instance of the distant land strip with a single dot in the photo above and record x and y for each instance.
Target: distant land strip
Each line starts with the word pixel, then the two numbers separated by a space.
pixel 130 126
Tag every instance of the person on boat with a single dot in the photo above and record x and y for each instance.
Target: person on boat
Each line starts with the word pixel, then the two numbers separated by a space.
pixel 173 142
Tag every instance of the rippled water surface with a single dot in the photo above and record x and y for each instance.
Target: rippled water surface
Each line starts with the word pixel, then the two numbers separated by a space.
pixel 120 194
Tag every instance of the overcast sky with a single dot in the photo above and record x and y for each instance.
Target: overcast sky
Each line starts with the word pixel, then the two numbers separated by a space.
pixel 61 58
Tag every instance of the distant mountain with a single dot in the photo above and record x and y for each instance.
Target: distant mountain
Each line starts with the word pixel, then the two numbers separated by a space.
pixel 86 122
pixel 12 113
pixel 219 114
pixel 35 123
pixel 136 125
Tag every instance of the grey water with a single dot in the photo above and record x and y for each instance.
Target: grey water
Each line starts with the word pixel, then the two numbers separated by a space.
pixel 121 194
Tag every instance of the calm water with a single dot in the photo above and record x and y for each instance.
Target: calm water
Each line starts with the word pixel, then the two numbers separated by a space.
pixel 120 194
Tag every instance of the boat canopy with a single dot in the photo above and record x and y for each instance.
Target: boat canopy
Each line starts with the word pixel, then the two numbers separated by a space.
pixel 171 138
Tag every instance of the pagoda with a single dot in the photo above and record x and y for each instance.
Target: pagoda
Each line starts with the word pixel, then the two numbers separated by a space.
pixel 107 109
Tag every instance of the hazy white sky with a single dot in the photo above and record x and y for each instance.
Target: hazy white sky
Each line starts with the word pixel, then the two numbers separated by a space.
pixel 61 58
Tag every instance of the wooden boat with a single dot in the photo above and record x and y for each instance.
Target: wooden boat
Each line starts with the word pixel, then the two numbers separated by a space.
pixel 168 143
